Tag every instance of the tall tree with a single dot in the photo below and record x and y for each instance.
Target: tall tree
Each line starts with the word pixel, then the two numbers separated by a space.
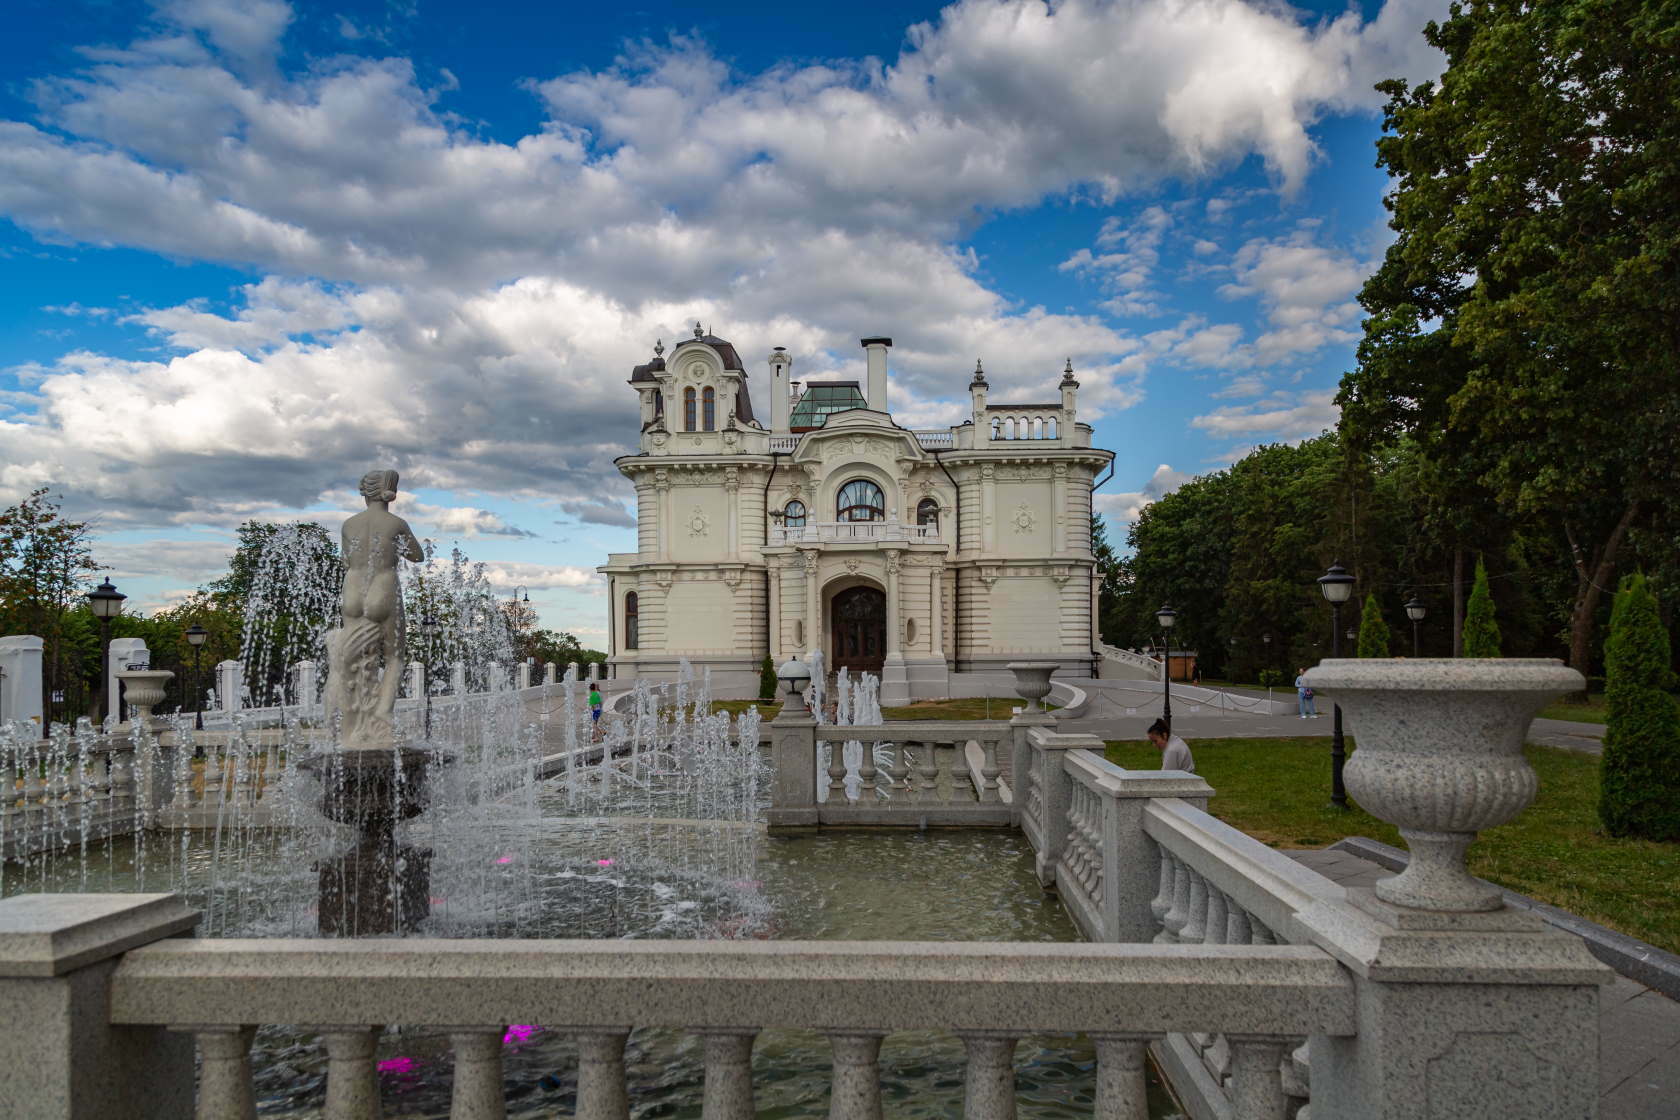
pixel 45 559
pixel 1639 779
pixel 1373 631
pixel 1525 323
pixel 1111 576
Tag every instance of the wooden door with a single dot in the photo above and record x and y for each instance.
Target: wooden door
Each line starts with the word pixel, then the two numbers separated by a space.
pixel 858 623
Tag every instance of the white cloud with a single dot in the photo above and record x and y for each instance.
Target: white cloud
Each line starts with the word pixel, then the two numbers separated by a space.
pixel 1283 417
pixel 507 575
pixel 1306 291
pixel 1127 507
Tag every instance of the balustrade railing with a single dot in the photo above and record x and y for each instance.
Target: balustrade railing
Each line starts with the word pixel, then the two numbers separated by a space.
pixel 840 531
pixel 988 995
pixel 911 772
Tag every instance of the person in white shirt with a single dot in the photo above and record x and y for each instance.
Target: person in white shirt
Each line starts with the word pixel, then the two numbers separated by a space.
pixel 1175 752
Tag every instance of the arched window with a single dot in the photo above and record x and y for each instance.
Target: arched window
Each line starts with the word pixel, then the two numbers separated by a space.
pixel 927 513
pixel 793 515
pixel 708 407
pixel 861 500
pixel 1050 428
pixel 1038 427
pixel 632 622
pixel 997 428
pixel 688 409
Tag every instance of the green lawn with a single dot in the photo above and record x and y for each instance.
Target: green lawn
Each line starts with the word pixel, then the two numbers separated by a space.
pixel 963 708
pixel 1590 712
pixel 1278 790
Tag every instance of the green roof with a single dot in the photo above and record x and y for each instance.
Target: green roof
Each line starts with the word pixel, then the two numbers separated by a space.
pixel 823 398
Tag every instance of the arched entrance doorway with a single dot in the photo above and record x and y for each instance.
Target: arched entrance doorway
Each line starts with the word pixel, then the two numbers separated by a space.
pixel 858 623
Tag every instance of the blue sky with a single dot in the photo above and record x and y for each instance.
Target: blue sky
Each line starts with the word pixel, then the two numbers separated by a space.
pixel 251 249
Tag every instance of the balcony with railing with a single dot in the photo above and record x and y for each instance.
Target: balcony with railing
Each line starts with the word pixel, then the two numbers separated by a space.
pixel 827 532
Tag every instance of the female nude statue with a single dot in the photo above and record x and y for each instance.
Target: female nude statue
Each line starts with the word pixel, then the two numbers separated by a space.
pixel 371 632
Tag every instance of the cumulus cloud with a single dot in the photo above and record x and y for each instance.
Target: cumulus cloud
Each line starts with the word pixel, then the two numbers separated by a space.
pixel 508 575
pixel 1282 417
pixel 1127 507
pixel 597 511
pixel 1306 291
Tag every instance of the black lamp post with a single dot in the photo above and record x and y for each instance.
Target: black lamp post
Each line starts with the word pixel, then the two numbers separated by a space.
pixel 1415 611
pixel 106 603
pixel 1166 616
pixel 196 637
pixel 1337 587
pixel 428 631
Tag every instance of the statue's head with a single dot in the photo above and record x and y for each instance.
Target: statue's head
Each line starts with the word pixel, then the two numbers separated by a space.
pixel 380 486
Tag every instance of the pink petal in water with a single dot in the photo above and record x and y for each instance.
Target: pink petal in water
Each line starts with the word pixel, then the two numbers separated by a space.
pixel 517 1034
pixel 505 859
pixel 603 863
pixel 398 1066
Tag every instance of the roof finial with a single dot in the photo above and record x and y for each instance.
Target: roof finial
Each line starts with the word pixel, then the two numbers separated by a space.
pixel 1068 369
pixel 659 348
pixel 698 333
pixel 979 374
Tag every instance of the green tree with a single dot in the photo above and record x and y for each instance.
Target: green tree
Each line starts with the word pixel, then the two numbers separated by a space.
pixel 1639 777
pixel 45 560
pixel 1481 630
pixel 1112 575
pixel 767 679
pixel 1373 631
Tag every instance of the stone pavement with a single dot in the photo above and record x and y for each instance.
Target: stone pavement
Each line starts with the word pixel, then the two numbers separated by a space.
pixel 1639 1048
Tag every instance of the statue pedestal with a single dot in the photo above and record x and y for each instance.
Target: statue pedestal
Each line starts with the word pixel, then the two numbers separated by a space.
pixel 379 886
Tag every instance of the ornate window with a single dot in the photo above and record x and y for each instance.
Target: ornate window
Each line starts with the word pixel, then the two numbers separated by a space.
pixel 632 622
pixel 861 500
pixel 927 513
pixel 793 515
pixel 708 407
pixel 688 409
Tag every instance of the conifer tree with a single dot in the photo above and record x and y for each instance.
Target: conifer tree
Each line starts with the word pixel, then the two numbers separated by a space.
pixel 1373 631
pixel 1481 632
pixel 1639 776
pixel 767 679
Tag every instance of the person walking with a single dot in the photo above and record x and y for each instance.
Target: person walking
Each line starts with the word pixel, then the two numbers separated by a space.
pixel 595 707
pixel 1309 710
pixel 1175 752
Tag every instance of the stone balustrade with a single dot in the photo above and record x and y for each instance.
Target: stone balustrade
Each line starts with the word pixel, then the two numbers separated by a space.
pixel 913 773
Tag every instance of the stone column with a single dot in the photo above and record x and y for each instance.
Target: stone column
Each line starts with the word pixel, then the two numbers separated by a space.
pixel 895 637
pixel 773 606
pixel 20 689
pixel 813 603
pixel 225 1091
pixel 936 607
pixel 61 1058
pixel 229 685
pixel 476 1093
pixel 1059 506
pixel 732 492
pixel 988 509
pixel 662 514
pixel 1464 1003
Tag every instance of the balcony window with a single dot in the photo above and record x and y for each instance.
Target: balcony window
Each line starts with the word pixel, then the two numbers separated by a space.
pixel 861 500
pixel 793 515
pixel 927 513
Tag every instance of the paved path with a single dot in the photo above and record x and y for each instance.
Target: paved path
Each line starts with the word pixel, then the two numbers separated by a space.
pixel 1639 1047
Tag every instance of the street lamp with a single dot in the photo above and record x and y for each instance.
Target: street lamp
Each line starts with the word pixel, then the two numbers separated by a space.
pixel 106 603
pixel 1337 587
pixel 795 675
pixel 1166 616
pixel 196 637
pixel 428 630
pixel 1415 611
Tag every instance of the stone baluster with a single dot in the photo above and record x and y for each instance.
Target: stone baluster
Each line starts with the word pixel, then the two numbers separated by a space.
pixel 898 769
pixel 268 783
pixel 1238 931
pixel 34 789
pixel 989 771
pixel 477 1090
pixel 224 1078
pixel 1179 913
pixel 1258 933
pixel 989 1082
pixel 1195 926
pixel 244 773
pixel 728 1094
pixel 182 767
pixel 1256 1091
pixel 99 784
pixel 211 797
pixel 1213 934
pixel 352 1079
pixel 856 1088
pixel 1293 1072
pixel 952 758
pixel 1162 902
pixel 11 793
pixel 836 772
pixel 927 766
pixel 122 778
pixel 57 796
pixel 601 1091
pixel 1122 1087
pixel 866 774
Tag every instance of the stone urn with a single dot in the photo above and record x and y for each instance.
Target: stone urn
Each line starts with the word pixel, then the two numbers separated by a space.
pixel 1032 681
pixel 143 688
pixel 1440 757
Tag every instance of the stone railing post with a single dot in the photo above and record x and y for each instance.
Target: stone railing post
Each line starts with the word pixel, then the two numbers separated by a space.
pixel 1465 1006
pixel 307 692
pixel 525 668
pixel 20 688
pixel 1032 684
pixel 1055 793
pixel 1131 860
pixel 551 673
pixel 229 686
pixel 793 760
pixel 60 1057
pixel 416 681
pixel 458 679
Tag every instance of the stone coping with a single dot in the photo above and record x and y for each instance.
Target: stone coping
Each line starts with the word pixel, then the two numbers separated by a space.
pixel 1649 965
pixel 879 985
pixel 45 935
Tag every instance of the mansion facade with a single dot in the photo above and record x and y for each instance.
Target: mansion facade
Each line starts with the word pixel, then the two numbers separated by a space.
pixel 910 554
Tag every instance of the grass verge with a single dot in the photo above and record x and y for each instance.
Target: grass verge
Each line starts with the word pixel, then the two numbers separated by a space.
pixel 1278 791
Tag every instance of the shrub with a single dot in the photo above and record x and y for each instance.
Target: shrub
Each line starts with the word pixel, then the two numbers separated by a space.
pixel 1481 632
pixel 767 679
pixel 1373 631
pixel 1639 776
pixel 1271 678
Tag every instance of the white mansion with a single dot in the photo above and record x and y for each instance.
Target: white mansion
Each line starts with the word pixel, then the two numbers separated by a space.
pixel 912 554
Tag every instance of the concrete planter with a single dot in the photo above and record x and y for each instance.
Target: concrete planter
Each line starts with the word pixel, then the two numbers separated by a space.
pixel 1032 681
pixel 143 688
pixel 1440 756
